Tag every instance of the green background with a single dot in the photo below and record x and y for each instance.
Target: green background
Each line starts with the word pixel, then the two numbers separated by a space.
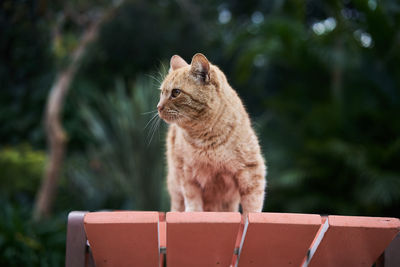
pixel 320 80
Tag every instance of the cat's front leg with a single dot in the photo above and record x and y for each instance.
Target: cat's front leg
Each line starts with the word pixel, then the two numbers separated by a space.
pixel 251 184
pixel 177 203
pixel 192 195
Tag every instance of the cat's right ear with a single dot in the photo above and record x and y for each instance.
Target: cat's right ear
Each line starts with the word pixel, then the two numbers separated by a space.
pixel 176 62
pixel 200 67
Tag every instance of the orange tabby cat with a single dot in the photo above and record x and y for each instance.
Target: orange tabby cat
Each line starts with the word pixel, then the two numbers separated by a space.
pixel 214 159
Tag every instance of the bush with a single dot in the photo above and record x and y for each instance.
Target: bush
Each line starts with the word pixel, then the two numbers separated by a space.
pixel 25 243
pixel 21 171
pixel 122 167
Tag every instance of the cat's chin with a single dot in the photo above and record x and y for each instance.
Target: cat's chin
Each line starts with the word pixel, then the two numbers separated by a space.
pixel 167 119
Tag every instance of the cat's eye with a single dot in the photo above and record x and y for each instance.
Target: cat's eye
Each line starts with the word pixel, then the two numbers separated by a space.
pixel 175 93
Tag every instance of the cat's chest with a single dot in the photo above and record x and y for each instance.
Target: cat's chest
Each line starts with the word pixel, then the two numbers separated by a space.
pixel 212 158
pixel 204 166
pixel 205 174
pixel 207 160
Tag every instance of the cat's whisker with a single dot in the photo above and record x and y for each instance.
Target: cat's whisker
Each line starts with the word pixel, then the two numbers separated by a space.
pixel 154 124
pixel 152 119
pixel 149 112
pixel 163 71
pixel 154 127
pixel 161 75
pixel 155 79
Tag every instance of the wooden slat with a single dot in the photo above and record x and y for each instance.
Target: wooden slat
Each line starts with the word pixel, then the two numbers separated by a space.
pixel 123 238
pixel 201 238
pixel 354 241
pixel 162 235
pixel 277 239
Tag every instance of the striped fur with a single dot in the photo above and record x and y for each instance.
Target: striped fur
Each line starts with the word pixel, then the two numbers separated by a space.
pixel 214 159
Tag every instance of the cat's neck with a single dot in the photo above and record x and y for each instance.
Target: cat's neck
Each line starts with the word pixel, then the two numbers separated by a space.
pixel 213 128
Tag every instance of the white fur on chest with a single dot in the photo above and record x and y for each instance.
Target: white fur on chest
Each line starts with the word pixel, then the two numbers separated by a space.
pixel 203 163
pixel 207 164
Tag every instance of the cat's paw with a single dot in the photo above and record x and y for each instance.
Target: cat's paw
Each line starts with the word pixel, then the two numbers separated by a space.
pixel 193 208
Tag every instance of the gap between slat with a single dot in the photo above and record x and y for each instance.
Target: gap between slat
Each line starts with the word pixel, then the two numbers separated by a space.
pixel 317 241
pixel 241 237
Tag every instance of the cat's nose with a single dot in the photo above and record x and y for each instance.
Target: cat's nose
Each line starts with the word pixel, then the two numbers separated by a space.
pixel 160 107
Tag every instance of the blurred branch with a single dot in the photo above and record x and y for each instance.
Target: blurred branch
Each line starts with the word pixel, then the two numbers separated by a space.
pixel 56 136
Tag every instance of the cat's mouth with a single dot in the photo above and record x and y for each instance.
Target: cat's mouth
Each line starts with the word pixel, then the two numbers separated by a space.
pixel 169 116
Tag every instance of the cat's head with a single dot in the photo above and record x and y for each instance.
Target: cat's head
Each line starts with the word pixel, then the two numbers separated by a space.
pixel 188 92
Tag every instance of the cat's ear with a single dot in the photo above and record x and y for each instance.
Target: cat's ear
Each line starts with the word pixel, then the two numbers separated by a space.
pixel 176 62
pixel 200 67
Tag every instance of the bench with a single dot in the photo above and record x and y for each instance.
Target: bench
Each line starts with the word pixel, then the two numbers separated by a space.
pixel 134 238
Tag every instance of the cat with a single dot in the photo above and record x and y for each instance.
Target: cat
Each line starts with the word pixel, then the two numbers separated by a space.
pixel 213 155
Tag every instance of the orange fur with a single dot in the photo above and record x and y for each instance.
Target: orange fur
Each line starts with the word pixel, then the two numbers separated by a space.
pixel 214 159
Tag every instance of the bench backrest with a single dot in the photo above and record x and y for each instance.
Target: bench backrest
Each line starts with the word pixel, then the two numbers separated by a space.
pixel 226 239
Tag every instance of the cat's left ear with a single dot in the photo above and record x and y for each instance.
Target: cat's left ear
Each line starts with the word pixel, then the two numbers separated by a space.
pixel 200 67
pixel 176 62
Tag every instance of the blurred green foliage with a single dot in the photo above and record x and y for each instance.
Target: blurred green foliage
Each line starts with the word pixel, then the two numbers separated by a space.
pixel 320 80
pixel 331 92
pixel 123 165
pixel 21 171
pixel 25 243
pixel 26 71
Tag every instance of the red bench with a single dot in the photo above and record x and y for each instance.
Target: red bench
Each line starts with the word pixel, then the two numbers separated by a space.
pixel 132 238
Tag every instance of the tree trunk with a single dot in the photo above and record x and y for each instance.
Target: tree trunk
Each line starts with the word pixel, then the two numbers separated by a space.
pixel 56 137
